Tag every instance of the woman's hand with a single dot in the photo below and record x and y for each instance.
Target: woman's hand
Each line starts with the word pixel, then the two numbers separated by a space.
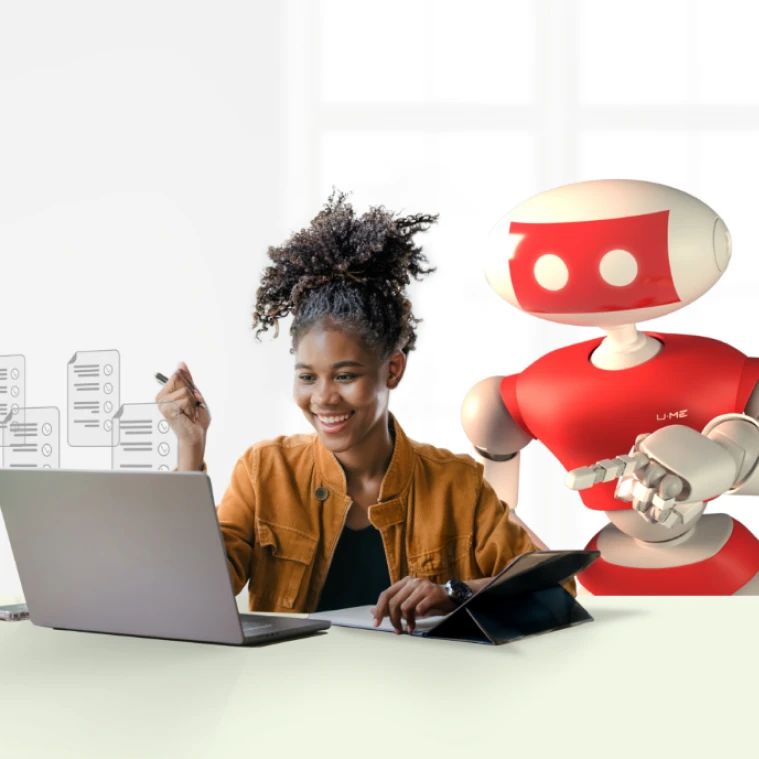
pixel 188 420
pixel 409 599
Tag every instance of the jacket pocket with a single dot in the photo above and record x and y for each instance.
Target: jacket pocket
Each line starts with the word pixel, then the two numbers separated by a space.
pixel 452 560
pixel 281 559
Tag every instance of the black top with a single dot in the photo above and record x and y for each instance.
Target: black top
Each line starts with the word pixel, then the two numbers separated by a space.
pixel 358 573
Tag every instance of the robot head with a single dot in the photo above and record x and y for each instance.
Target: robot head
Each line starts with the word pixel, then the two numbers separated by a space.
pixel 607 252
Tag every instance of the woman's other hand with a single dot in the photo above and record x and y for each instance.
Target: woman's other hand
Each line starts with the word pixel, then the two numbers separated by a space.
pixel 187 419
pixel 410 599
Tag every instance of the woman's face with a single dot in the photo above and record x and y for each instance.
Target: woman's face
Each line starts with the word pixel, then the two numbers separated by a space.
pixel 341 385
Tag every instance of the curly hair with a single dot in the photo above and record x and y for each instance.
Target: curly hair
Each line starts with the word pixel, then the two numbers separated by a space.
pixel 349 270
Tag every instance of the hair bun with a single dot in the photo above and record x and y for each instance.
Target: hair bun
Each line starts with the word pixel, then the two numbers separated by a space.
pixel 373 254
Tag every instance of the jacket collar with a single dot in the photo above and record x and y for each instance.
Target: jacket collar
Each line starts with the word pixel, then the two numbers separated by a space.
pixel 389 509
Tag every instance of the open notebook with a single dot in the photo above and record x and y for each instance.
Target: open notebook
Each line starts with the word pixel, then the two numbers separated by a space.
pixel 526 598
pixel 361 616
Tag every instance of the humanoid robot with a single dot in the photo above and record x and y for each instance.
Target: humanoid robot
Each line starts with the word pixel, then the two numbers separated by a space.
pixel 609 254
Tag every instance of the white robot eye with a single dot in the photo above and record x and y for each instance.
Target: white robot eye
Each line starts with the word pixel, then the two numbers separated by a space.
pixel 619 267
pixel 551 272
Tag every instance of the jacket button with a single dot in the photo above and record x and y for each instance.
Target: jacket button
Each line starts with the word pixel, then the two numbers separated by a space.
pixel 321 494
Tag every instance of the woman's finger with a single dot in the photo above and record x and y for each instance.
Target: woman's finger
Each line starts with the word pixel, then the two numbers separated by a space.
pixel 395 605
pixel 184 373
pixel 186 378
pixel 174 383
pixel 408 607
pixel 186 370
pixel 184 400
pixel 429 605
pixel 380 610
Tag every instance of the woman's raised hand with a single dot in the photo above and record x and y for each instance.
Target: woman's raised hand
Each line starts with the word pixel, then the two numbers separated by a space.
pixel 180 401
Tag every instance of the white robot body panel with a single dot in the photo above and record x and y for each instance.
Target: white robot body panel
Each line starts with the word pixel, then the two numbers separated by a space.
pixel 488 424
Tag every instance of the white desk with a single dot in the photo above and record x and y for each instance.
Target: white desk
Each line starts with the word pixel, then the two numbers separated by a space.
pixel 663 677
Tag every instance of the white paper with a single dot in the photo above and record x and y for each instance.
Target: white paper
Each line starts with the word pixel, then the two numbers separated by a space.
pixel 142 438
pixel 361 617
pixel 32 439
pixel 94 391
pixel 12 390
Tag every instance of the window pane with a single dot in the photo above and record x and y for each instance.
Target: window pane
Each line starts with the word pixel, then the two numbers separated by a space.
pixel 404 51
pixel 636 53
pixel 665 157
pixel 728 51
pixel 486 53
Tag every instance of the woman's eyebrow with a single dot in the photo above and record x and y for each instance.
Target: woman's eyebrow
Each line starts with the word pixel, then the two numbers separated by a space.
pixel 341 364
pixel 338 365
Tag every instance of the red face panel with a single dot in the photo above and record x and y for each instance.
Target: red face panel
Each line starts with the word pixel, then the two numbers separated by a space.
pixel 582 245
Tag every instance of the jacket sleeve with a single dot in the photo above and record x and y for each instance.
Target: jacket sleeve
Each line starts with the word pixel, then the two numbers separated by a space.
pixel 237 519
pixel 498 540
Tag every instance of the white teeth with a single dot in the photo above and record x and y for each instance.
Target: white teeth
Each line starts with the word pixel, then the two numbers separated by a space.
pixel 334 419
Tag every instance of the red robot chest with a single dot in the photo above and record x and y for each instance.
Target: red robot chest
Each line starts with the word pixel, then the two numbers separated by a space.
pixel 583 414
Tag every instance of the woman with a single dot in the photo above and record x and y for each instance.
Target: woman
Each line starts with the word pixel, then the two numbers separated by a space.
pixel 357 513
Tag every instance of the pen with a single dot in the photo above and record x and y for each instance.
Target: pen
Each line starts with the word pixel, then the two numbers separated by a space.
pixel 162 380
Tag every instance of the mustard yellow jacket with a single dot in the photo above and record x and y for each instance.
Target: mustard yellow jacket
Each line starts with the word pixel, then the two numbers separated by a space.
pixel 286 506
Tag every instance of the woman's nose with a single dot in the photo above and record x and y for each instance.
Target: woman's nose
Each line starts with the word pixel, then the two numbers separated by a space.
pixel 325 394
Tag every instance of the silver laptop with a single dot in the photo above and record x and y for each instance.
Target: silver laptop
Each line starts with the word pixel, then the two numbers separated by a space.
pixel 129 553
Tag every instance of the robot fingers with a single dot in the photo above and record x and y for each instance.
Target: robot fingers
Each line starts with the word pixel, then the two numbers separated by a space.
pixel 645 489
pixel 622 466
pixel 670 487
pixel 666 517
pixel 605 470
pixel 624 489
pixel 688 512
pixel 642 496
pixel 583 477
pixel 652 475
pixel 654 496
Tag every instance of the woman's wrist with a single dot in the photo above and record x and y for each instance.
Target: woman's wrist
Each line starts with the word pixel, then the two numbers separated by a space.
pixel 190 460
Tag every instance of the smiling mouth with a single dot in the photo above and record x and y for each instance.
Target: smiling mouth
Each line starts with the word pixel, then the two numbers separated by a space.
pixel 334 422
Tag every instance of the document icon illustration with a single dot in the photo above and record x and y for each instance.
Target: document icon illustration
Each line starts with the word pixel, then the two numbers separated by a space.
pixel 94 390
pixel 143 439
pixel 32 439
pixel 12 389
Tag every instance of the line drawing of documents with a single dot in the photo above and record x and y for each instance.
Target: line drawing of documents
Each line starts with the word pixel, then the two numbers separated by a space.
pixel 12 389
pixel 32 439
pixel 94 390
pixel 143 439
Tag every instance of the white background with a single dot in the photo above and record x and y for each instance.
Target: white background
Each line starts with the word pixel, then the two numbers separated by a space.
pixel 151 151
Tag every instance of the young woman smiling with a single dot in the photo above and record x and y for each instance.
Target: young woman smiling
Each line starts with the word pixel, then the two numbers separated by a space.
pixel 357 513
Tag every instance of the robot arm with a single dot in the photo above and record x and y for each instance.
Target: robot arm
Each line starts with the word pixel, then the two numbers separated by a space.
pixel 738 434
pixel 671 471
pixel 496 437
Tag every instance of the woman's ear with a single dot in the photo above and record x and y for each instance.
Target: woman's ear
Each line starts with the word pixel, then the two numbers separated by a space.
pixel 396 368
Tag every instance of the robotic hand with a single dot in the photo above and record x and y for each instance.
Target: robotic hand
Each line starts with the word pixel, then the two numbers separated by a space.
pixel 670 472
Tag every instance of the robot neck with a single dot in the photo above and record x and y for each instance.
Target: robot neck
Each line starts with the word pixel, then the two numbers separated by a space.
pixel 623 348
